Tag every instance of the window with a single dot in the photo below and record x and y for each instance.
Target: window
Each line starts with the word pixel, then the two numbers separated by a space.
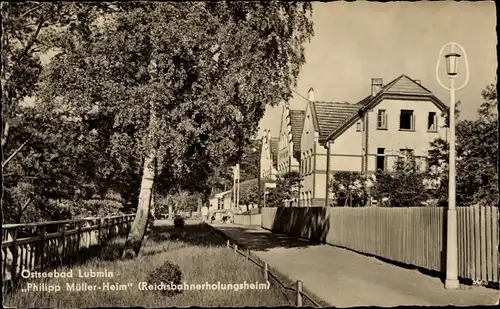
pixel 308 162
pixel 406 120
pixel 381 119
pixel 304 169
pixel 405 154
pixel 380 159
pixel 307 123
pixel 432 122
pixel 358 126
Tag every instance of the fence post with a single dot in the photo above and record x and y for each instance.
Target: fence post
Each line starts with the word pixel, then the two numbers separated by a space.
pixel 107 229
pixel 13 274
pixel 78 239
pixel 235 248
pixel 248 254
pixel 228 244
pixel 63 236
pixel 99 231
pixel 266 272
pixel 104 227
pixel 299 293
pixel 41 232
pixel 113 227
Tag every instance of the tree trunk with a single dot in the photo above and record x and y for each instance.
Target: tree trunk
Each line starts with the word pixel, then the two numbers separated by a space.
pixel 138 229
pixel 5 133
pixel 170 211
pixel 151 216
pixel 144 207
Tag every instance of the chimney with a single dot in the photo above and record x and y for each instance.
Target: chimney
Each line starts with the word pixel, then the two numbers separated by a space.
pixel 310 95
pixel 377 84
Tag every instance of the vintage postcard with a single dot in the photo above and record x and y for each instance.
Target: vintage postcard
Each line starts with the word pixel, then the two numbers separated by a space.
pixel 249 154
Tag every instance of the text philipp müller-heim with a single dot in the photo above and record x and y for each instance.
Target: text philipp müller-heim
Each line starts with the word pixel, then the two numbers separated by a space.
pixel 76 287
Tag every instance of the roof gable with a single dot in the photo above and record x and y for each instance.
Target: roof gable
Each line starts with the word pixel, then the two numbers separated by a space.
pixel 331 115
pixel 405 86
pixel 401 87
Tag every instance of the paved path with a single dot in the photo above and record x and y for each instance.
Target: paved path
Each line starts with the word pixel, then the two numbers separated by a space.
pixel 345 278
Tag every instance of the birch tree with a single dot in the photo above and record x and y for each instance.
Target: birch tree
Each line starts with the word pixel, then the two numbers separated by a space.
pixel 217 66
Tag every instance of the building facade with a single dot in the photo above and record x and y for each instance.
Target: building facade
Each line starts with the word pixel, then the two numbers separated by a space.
pixel 396 119
pixel 292 123
pixel 268 156
pixel 320 118
pixel 220 201
pixel 393 121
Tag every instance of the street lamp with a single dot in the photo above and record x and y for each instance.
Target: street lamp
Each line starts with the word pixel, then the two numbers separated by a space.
pixel 451 231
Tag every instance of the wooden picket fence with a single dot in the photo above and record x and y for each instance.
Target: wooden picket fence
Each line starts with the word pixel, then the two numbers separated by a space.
pixel 42 245
pixel 411 235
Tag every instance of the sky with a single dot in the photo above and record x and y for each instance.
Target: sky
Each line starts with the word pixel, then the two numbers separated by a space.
pixel 357 41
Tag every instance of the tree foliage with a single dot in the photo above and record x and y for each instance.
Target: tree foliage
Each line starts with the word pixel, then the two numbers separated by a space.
pixel 178 202
pixel 348 189
pixel 287 189
pixel 249 192
pixel 207 69
pixel 476 158
pixel 217 66
pixel 404 186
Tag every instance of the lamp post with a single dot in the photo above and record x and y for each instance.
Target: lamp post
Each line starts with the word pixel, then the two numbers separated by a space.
pixel 451 229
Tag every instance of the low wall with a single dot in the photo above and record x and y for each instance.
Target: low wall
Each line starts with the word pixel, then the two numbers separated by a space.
pixel 411 235
pixel 248 219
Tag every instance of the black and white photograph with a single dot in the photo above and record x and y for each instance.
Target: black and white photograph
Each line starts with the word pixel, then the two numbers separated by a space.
pixel 249 154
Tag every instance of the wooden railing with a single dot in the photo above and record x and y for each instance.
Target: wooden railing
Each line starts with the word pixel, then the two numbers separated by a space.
pixel 411 235
pixel 297 288
pixel 42 245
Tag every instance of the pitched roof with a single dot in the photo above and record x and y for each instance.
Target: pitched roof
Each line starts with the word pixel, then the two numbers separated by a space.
pixel 331 115
pixel 405 85
pixel 274 149
pixel 402 85
pixel 297 124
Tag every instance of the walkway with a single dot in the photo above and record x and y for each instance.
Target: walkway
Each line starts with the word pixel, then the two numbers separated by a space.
pixel 345 278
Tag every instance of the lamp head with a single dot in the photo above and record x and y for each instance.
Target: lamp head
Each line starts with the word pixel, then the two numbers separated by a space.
pixel 452 63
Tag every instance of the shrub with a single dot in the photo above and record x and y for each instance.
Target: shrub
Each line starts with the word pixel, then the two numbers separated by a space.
pixel 403 187
pixel 179 222
pixel 167 274
pixel 348 189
